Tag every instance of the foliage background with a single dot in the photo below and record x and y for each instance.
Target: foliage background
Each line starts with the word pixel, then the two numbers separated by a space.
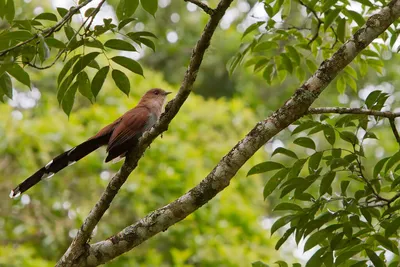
pixel 231 230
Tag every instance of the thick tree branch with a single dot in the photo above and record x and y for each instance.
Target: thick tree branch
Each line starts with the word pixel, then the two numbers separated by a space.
pixel 47 32
pixel 220 176
pixel 340 110
pixel 78 252
pixel 203 6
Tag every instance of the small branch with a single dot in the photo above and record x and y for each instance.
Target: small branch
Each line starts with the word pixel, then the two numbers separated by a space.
pixel 339 110
pixel 203 6
pixel 47 32
pixel 336 37
pixel 93 15
pixel 394 129
pixel 316 17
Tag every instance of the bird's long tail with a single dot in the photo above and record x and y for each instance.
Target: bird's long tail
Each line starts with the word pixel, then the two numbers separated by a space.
pixel 60 162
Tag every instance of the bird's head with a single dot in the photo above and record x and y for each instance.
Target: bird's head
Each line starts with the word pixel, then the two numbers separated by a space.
pixel 154 98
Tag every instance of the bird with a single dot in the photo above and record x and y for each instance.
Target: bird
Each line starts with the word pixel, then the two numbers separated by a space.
pixel 119 137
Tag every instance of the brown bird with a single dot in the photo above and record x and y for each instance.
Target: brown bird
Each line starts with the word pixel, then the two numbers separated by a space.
pixel 119 137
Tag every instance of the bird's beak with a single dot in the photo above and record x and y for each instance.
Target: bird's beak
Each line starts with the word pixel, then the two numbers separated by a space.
pixel 167 93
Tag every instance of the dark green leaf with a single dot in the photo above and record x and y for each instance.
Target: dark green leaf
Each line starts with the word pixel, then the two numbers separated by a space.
pixel 378 262
pixel 150 6
pixel 274 181
pixel 266 45
pixel 128 63
pixel 84 85
pixel 336 240
pixel 136 35
pixel 305 142
pixel 326 182
pixel 43 49
pixel 6 85
pixel 124 22
pixel 341 29
pixel 393 160
pixel 69 98
pixel 349 137
pixel 19 74
pixel 126 8
pixel 386 243
pixel 330 17
pixel 148 43
pixel 53 42
pixel 282 264
pixel 314 161
pixel 356 16
pixel 378 166
pixel 89 11
pixel 121 80
pixel 21 35
pixel 372 98
pixel 391 210
pixel 283 239
pixel 46 16
pixel 98 80
pixel 343 187
pixel 329 133
pixel 284 151
pixel 259 264
pixel 287 206
pixel 392 227
pixel 83 62
pixel 265 167
pixel 93 64
pixel 62 11
pixel 281 222
pixel 252 27
pixel 315 239
pixel 10 10
pixel 118 44
pixel 64 86
pixel 66 68
pixel 315 260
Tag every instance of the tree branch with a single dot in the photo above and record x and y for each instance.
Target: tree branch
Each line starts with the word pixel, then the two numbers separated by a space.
pixel 339 110
pixel 220 176
pixel 203 6
pixel 78 252
pixel 394 130
pixel 47 32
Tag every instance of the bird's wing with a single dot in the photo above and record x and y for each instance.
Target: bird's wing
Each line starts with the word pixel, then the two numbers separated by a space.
pixel 127 132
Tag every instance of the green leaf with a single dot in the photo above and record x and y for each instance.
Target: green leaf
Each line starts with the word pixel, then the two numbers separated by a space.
pixel 356 16
pixel 315 239
pixel 122 81
pixel 126 8
pixel 118 44
pixel 284 151
pixel 293 54
pixel 349 137
pixel 281 222
pixel 391 210
pixel 259 264
pixel 315 260
pixel 314 161
pixel 392 227
pixel 63 87
pixel 84 85
pixel 267 45
pixel 125 22
pixel 10 10
pixel 274 181
pixel 282 264
pixel 330 17
pixel 265 167
pixel 377 262
pixel 128 63
pixel 341 29
pixel 19 74
pixel 304 126
pixel 329 133
pixel 67 67
pixel 150 6
pixel 326 182
pixel 287 206
pixel 252 27
pixel 137 35
pixel 89 12
pixel 287 63
pixel 305 142
pixel 46 16
pixel 392 161
pixel 147 42
pixel 53 42
pixel 69 98
pixel 98 80
pixel 284 238
pixel 386 243
pixel 343 187
pixel 20 35
pixel 83 62
pixel 378 166
pixel 62 11
pixel 6 85
pixel 372 98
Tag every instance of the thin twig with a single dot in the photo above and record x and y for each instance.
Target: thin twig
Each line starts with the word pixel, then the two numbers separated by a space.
pixel 47 32
pixel 203 6
pixel 315 36
pixel 340 110
pixel 394 130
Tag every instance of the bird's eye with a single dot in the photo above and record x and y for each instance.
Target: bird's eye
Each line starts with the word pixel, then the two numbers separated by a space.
pixel 156 93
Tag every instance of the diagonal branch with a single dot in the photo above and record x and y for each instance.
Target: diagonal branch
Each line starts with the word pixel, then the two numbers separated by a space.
pixel 78 250
pixel 219 178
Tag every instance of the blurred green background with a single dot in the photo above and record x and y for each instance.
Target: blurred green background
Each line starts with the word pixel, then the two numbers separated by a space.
pixel 232 229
